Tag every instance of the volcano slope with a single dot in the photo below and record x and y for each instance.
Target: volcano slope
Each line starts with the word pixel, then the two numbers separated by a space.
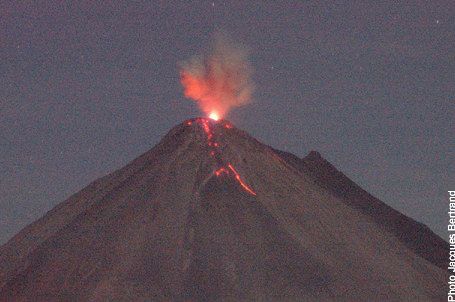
pixel 212 214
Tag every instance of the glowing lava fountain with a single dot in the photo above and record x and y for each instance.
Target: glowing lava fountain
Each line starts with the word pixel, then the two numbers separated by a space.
pixel 220 79
pixel 214 116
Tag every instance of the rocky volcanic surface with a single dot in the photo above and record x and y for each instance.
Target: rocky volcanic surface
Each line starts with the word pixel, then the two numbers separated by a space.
pixel 212 214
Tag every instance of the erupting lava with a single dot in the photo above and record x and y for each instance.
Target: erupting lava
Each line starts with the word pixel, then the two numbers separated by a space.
pixel 220 79
pixel 214 116
pixel 215 153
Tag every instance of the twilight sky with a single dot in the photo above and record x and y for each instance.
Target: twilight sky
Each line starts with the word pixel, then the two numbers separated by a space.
pixel 86 88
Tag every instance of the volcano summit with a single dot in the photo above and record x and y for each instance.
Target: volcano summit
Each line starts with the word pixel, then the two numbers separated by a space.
pixel 212 214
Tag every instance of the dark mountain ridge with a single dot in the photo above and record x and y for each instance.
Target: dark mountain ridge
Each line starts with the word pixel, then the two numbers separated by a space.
pixel 415 235
pixel 210 214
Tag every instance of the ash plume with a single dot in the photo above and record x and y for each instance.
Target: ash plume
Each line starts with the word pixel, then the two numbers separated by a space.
pixel 220 79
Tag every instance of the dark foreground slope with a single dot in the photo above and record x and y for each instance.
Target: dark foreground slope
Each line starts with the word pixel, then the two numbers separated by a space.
pixel 208 214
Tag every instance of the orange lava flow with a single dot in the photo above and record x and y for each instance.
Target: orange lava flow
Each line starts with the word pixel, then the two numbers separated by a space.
pixel 207 130
pixel 240 181
pixel 215 151
pixel 220 171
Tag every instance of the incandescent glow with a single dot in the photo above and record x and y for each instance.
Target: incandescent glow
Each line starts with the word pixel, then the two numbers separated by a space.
pixel 214 116
pixel 240 181
pixel 220 79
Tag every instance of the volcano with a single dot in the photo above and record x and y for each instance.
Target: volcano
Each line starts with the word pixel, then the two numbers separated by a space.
pixel 209 214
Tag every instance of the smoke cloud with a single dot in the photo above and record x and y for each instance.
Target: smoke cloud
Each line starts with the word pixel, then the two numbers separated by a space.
pixel 220 79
